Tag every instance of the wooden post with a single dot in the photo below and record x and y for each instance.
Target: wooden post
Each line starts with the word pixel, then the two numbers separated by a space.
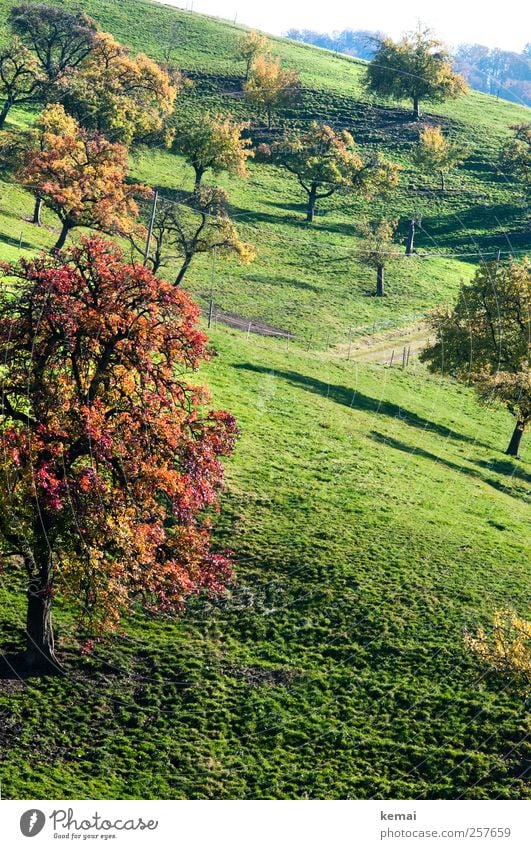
pixel 150 228
pixel 349 343
pixel 392 357
pixel 249 329
pixel 309 343
pixel 404 357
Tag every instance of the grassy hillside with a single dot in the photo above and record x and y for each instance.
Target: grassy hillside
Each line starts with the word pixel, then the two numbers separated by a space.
pixel 371 511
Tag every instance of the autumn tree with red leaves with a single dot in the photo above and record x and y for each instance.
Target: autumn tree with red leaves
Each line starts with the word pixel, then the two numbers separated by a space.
pixel 81 176
pixel 110 455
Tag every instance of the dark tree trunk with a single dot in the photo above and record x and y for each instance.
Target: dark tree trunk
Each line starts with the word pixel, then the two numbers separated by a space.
pixel 4 112
pixel 37 212
pixel 380 281
pixel 410 237
pixel 312 199
pixel 268 117
pixel 40 649
pixel 443 182
pixel 184 268
pixel 198 177
pixel 62 236
pixel 416 108
pixel 516 438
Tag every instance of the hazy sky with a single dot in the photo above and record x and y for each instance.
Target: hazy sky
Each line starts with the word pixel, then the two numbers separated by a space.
pixel 506 24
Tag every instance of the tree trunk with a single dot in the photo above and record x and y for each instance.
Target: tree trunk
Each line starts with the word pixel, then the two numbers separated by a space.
pixel 37 212
pixel 443 182
pixel 410 238
pixel 198 177
pixel 62 236
pixel 312 198
pixel 268 117
pixel 184 268
pixel 416 109
pixel 516 438
pixel 4 111
pixel 380 281
pixel 40 650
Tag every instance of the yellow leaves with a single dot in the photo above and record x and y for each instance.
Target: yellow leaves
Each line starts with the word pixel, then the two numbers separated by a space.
pixel 506 647
pixel 434 152
pixel 115 92
pixel 253 44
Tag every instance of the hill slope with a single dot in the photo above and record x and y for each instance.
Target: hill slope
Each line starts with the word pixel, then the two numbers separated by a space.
pixel 372 514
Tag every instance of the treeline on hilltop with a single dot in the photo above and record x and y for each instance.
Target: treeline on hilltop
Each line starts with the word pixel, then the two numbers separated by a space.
pixel 502 73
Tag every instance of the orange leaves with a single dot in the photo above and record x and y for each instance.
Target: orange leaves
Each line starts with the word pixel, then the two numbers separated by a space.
pixel 81 177
pixel 116 454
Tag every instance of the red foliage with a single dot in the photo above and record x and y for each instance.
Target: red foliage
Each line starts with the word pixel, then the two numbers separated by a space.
pixel 111 457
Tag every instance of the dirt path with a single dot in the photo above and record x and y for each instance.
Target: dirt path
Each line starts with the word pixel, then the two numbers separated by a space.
pixel 380 347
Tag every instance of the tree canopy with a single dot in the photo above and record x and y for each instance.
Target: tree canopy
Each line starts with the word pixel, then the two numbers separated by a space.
pixel 270 86
pixel 434 153
pixel 60 39
pixel 80 176
pixel 110 454
pixel 515 155
pixel 128 98
pixel 417 67
pixel 325 161
pixel 485 339
pixel 213 143
pixel 251 45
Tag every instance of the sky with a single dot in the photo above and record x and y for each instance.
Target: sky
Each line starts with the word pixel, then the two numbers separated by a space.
pixel 506 25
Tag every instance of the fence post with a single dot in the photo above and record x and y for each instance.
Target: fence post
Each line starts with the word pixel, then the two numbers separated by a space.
pixel 309 343
pixel 249 329
pixel 404 357
pixel 392 357
pixel 408 350
pixel 349 343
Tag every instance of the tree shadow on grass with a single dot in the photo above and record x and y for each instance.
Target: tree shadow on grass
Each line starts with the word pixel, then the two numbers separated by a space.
pixel 505 467
pixel 355 399
pixel 398 445
pixel 16 243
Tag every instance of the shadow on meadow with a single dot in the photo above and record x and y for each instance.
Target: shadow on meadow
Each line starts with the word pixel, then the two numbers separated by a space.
pixel 355 399
pixel 398 445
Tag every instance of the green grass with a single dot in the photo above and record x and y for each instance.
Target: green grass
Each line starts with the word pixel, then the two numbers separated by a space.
pixel 371 511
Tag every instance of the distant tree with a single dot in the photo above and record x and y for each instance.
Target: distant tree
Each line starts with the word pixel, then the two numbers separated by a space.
pixel 325 161
pixel 60 39
pixel 361 43
pixel 435 154
pixel 110 455
pixel 213 143
pixel 128 98
pixel 20 77
pixel 485 339
pixel 378 247
pixel 80 176
pixel 417 67
pixel 515 155
pixel 497 72
pixel 269 86
pixel 251 45
pixel 198 224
